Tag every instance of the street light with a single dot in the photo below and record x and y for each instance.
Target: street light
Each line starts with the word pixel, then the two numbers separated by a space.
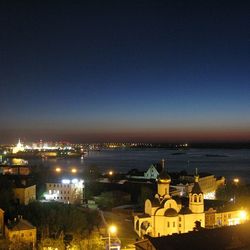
pixel 112 230
pixel 110 173
pixel 73 170
pixel 236 181
pixel 58 170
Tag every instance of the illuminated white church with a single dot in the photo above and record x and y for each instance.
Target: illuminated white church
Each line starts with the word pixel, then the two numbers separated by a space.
pixel 165 215
pixel 18 148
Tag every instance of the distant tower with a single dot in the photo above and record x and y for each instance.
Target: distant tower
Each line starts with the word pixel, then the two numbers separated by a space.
pixel 163 184
pixel 196 200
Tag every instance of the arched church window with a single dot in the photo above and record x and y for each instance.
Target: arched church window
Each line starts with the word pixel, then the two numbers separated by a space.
pixel 200 198
pixel 195 198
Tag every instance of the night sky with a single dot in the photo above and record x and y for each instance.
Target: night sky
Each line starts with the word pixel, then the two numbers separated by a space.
pixel 125 71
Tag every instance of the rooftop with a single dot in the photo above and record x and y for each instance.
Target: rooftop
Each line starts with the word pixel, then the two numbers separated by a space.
pixel 20 224
pixel 233 237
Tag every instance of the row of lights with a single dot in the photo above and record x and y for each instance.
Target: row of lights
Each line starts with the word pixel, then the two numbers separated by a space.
pixel 59 170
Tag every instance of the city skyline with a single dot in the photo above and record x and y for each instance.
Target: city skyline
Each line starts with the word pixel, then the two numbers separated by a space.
pixel 125 71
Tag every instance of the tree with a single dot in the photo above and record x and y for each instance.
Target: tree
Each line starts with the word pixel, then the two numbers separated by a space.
pixel 20 246
pixel 53 243
pixel 91 241
pixel 53 219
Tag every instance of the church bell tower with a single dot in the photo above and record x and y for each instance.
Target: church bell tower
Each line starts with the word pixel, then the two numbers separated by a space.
pixel 196 199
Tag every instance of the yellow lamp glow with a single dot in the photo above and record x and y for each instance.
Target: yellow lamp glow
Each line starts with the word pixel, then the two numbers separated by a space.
pixel 58 170
pixel 236 180
pixel 243 215
pixel 110 172
pixel 112 229
pixel 73 170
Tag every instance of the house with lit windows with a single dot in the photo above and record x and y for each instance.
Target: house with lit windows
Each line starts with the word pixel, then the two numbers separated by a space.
pixel 21 230
pixel 165 215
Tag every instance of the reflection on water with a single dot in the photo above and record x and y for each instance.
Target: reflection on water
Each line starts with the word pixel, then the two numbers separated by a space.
pixel 227 162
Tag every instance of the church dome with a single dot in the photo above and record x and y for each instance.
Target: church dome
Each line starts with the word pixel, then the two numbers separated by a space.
pixel 164 177
pixel 170 212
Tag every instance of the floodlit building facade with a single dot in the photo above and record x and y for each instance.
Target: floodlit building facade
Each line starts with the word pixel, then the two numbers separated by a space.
pixel 224 217
pixel 25 194
pixel 67 191
pixel 208 184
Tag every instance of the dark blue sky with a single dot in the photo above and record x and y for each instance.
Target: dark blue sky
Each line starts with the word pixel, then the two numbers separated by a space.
pixel 125 70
